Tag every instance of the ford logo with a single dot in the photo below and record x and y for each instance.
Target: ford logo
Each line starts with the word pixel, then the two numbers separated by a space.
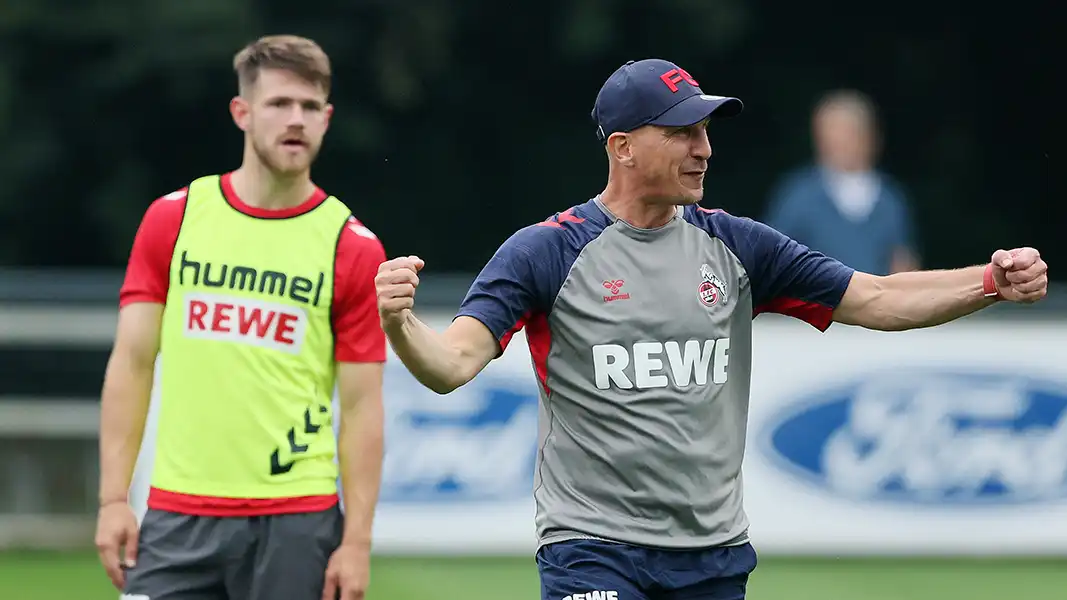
pixel 928 437
pixel 479 444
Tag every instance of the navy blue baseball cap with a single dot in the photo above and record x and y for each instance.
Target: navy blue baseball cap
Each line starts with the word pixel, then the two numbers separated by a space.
pixel 655 92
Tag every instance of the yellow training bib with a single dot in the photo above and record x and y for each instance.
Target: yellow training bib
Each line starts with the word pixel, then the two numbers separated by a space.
pixel 247 352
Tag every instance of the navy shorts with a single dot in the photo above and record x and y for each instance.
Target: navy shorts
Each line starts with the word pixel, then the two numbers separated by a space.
pixel 595 570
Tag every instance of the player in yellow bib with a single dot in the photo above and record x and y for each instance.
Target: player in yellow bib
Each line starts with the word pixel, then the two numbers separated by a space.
pixel 256 290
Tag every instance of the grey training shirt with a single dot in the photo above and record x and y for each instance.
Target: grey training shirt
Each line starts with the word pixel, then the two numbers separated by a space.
pixel 641 342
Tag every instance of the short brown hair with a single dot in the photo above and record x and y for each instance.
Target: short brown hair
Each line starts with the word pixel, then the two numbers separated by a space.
pixel 292 53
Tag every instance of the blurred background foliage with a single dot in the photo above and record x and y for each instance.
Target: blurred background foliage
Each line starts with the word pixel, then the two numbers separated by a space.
pixel 458 122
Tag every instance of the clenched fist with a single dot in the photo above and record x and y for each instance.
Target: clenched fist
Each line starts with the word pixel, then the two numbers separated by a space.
pixel 1020 275
pixel 395 284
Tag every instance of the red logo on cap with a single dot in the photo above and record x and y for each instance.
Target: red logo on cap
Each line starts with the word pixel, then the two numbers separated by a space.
pixel 676 76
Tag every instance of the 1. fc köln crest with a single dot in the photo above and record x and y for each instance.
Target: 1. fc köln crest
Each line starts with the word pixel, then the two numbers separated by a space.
pixel 712 289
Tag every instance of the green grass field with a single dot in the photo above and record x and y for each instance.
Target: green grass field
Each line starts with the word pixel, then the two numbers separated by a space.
pixel 67 576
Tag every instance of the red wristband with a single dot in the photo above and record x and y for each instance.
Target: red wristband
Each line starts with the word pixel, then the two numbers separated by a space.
pixel 989 286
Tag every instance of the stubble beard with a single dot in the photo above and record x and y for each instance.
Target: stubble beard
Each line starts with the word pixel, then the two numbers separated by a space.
pixel 277 164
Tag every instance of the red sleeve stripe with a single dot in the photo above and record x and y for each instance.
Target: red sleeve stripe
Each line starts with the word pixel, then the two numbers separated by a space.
pixel 817 315
pixel 510 333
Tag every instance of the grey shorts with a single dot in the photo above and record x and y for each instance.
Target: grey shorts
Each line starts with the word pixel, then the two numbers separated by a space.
pixel 277 557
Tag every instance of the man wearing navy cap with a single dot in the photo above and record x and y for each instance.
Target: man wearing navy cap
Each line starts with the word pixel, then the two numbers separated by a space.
pixel 655 92
pixel 638 308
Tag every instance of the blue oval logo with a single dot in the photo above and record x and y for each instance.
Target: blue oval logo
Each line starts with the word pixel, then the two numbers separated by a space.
pixel 931 437
pixel 479 446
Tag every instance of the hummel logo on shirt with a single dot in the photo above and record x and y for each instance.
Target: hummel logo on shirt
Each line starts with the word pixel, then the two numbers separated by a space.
pixel 614 287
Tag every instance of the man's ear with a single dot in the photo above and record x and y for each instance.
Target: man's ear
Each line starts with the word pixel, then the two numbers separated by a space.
pixel 239 110
pixel 620 147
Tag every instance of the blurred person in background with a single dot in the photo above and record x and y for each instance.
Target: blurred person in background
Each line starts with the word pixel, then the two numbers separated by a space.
pixel 256 288
pixel 843 206
pixel 638 306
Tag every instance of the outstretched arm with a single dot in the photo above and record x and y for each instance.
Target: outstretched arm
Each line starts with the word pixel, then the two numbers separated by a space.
pixel 789 278
pixel 927 298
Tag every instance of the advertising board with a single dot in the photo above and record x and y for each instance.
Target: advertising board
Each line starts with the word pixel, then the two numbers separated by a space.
pixel 946 440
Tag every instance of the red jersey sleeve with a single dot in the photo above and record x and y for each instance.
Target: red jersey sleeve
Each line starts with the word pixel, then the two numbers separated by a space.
pixel 148 269
pixel 359 335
